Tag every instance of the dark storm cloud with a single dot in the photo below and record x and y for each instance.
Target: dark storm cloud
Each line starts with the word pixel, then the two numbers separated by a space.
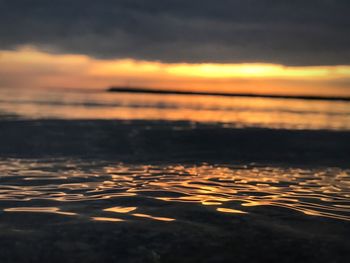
pixel 295 32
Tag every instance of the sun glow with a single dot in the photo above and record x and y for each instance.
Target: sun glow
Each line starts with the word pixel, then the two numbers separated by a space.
pixel 34 68
pixel 256 70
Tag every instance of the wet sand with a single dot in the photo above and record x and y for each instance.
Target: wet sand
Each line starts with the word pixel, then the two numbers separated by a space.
pixel 148 191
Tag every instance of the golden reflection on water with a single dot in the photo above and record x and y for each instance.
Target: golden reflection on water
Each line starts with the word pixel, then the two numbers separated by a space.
pixel 231 111
pixel 229 210
pixel 107 219
pixel 166 219
pixel 119 209
pixel 236 189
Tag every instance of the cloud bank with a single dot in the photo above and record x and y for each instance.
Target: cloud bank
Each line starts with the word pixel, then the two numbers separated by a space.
pixel 294 32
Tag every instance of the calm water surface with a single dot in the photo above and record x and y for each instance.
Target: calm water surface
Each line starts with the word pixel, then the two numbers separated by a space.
pixel 229 111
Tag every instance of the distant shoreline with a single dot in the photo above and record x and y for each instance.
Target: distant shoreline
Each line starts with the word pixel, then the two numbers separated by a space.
pixel 174 92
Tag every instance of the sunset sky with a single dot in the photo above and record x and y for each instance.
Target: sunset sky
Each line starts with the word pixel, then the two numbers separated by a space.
pixel 251 46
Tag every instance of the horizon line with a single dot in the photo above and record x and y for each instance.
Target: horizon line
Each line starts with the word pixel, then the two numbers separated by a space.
pixel 123 89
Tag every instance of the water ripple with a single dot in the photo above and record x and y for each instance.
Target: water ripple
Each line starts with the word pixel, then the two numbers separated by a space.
pixel 323 192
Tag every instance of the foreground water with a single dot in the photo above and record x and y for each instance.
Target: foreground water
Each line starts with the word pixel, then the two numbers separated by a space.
pixel 85 177
pixel 67 186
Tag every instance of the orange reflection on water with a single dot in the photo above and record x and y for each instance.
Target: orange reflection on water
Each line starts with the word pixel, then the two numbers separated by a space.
pixel 211 203
pixel 321 192
pixel 119 209
pixel 107 219
pixel 231 211
pixel 166 219
pixel 233 111
pixel 318 192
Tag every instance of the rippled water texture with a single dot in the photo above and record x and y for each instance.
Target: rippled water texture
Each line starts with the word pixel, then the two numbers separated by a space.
pixel 116 192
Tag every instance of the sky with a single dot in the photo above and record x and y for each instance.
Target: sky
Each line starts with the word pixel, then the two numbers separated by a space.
pixel 254 46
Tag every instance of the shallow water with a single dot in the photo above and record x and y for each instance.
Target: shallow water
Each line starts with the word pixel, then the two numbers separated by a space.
pixel 99 177
pixel 67 186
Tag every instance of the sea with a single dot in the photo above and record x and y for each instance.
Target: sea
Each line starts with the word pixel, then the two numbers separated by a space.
pixel 94 176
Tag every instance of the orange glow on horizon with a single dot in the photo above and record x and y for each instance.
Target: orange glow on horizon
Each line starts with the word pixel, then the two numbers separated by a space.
pixel 33 68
